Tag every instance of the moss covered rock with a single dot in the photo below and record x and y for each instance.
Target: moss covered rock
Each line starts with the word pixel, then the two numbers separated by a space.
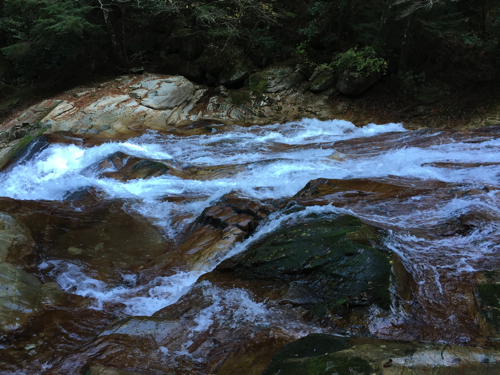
pixel 324 265
pixel 315 354
pixel 324 354
pixel 275 79
pixel 322 82
pixel 235 75
pixel 20 296
pixel 355 83
pixel 488 302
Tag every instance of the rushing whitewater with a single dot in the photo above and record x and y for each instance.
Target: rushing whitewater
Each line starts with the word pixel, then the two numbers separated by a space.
pixel 275 162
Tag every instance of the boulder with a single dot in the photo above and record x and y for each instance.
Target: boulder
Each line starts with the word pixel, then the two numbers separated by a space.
pixel 124 167
pixel 324 354
pixel 488 302
pixel 100 234
pixel 20 296
pixel 275 79
pixel 235 75
pixel 322 82
pixel 16 243
pixel 168 93
pixel 354 83
pixel 324 265
pixel 215 232
pixel 18 133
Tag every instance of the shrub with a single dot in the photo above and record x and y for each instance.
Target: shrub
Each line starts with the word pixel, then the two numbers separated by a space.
pixel 362 60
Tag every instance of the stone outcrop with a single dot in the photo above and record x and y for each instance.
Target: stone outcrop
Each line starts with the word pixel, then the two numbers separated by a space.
pixel 16 243
pixel 355 83
pixel 21 293
pixel 320 354
pixel 325 266
pixel 488 302
pixel 321 82
pixel 19 132
pixel 130 105
pixel 235 75
pixel 20 296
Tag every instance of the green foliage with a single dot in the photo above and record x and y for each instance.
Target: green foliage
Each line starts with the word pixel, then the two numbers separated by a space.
pixel 362 60
pixel 49 36
pixel 44 33
pixel 417 86
pixel 310 31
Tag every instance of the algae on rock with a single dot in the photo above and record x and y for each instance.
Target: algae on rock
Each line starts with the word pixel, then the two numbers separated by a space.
pixel 319 265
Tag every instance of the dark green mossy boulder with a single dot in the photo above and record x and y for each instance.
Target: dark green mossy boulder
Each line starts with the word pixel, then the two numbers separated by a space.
pixel 322 82
pixel 488 301
pixel 324 265
pixel 315 354
pixel 275 79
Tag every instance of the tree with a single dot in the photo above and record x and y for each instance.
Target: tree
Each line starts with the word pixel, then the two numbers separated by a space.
pixel 43 34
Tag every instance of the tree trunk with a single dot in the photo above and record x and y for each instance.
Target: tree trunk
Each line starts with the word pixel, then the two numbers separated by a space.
pixel 124 49
pixel 405 45
pixel 116 46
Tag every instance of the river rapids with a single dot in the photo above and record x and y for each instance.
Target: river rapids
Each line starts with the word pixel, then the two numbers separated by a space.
pixel 433 193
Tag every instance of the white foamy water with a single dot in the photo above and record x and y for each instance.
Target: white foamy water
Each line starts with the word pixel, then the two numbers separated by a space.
pixel 275 161
pixel 139 300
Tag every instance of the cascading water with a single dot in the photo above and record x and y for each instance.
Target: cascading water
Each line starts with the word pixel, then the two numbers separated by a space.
pixel 274 162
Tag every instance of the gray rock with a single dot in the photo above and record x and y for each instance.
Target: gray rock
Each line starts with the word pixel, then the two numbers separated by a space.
pixel 15 240
pixel 19 296
pixel 4 134
pixel 222 91
pixel 137 70
pixel 21 133
pixel 275 79
pixel 354 83
pixel 171 93
pixel 138 94
pixel 322 82
pixel 51 294
pixel 303 69
pixel 80 94
pixel 235 75
pixel 283 79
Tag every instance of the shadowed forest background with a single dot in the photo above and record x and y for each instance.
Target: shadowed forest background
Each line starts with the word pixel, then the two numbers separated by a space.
pixel 426 49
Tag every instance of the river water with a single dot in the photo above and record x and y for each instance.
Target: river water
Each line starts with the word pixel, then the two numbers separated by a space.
pixel 446 178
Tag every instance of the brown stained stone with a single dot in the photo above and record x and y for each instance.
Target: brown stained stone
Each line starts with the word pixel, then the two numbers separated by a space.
pixel 406 287
pixel 100 370
pixel 326 191
pixel 128 167
pixel 254 356
pixel 154 344
pixel 99 233
pixel 418 138
pixel 215 232
pixel 52 333
pixel 459 165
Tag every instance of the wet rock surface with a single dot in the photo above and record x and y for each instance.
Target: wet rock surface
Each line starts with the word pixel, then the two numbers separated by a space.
pixel 317 354
pixel 325 267
pixel 208 248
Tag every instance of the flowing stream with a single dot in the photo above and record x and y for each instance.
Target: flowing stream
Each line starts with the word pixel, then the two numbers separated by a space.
pixel 454 176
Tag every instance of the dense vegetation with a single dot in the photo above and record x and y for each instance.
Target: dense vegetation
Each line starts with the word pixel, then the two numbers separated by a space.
pixel 416 42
